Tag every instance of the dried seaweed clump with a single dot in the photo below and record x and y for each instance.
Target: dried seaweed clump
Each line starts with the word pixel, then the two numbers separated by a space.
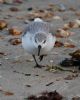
pixel 53 95
pixel 73 61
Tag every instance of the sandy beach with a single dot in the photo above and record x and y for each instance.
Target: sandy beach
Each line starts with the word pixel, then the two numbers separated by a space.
pixel 17 73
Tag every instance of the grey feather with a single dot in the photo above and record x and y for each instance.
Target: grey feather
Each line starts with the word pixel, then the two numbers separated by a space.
pixel 40 37
pixel 37 27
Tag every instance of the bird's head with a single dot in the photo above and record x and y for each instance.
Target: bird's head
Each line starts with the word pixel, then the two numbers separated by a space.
pixel 40 41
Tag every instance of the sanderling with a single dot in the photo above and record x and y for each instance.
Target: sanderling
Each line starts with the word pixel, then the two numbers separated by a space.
pixel 37 39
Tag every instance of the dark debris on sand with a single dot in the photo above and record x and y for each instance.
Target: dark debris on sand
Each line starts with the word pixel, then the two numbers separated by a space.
pixel 53 95
pixel 73 61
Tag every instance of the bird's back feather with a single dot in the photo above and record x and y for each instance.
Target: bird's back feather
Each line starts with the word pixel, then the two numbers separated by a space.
pixel 37 27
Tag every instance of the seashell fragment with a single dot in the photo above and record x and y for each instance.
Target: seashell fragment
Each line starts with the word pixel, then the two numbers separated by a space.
pixel 69 45
pixel 15 41
pixel 3 24
pixel 58 44
pixel 56 17
pixel 15 31
pixel 77 21
pixel 62 33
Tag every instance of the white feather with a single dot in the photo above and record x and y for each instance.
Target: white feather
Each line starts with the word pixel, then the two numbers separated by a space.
pixel 38 20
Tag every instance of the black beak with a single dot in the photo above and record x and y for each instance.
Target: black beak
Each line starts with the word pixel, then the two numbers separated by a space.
pixel 39 49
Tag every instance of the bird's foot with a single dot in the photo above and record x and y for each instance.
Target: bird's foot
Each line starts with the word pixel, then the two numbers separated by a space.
pixel 38 66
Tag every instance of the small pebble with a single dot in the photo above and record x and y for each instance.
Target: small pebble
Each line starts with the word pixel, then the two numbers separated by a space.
pixel 30 9
pixel 27 74
pixel 28 85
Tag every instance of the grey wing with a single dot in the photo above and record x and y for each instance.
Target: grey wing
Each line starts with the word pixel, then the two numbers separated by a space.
pixel 36 27
pixel 39 27
pixel 27 30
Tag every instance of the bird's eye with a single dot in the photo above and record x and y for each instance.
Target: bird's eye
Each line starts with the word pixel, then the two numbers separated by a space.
pixel 44 41
pixel 35 41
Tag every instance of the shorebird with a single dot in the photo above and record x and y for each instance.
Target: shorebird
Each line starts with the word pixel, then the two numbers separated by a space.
pixel 37 39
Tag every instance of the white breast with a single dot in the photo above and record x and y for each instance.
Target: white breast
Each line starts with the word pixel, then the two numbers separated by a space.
pixel 28 44
pixel 49 45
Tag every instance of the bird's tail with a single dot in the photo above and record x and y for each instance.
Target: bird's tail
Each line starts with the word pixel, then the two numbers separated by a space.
pixel 38 20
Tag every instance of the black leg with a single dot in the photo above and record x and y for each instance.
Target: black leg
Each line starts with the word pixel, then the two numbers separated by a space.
pixel 37 65
pixel 41 57
pixel 35 59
